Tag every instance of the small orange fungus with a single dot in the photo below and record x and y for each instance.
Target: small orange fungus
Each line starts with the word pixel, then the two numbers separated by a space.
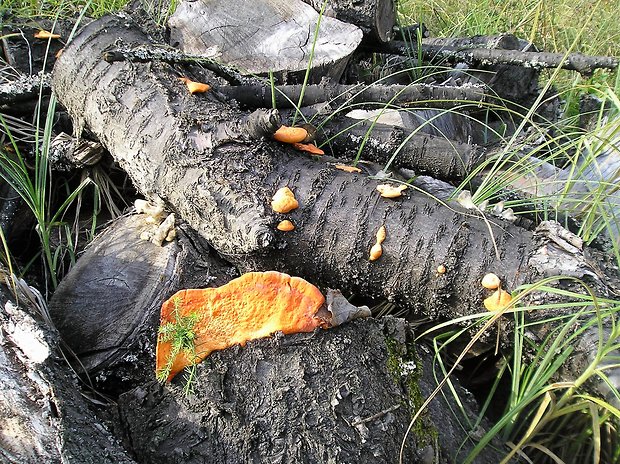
pixel 290 134
pixel 490 281
pixel 284 201
pixel 376 251
pixel 390 191
pixel 45 35
pixel 255 305
pixel 308 147
pixel 195 87
pixel 381 234
pixel 59 53
pixel 285 226
pixel 441 269
pixel 345 168
pixel 498 301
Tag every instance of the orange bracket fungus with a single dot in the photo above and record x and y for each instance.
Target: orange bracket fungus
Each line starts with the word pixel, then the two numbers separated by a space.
pixel 309 148
pixel 196 322
pixel 284 201
pixel 287 134
pixel 46 35
pixel 285 226
pixel 195 87
pixel 390 191
pixel 498 301
pixel 376 251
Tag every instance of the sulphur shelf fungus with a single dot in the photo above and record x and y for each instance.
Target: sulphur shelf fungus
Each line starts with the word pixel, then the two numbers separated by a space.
pixel 491 281
pixel 377 250
pixel 285 226
pixel 390 191
pixel 287 134
pixel 195 87
pixel 196 322
pixel 46 35
pixel 498 301
pixel 308 148
pixel 284 201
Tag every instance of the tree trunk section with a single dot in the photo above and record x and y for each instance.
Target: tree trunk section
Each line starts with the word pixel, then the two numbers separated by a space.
pixel 107 308
pixel 272 35
pixel 343 395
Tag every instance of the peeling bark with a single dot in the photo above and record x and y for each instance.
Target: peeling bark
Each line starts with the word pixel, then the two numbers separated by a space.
pixel 43 417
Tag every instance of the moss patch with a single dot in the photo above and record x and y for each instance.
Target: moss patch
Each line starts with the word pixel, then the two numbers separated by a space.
pixel 405 367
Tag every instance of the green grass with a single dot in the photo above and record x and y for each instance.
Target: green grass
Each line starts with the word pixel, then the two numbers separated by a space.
pixel 552 25
pixel 60 8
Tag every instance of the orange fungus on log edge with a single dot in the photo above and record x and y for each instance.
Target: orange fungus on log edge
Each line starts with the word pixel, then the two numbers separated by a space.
pixel 255 305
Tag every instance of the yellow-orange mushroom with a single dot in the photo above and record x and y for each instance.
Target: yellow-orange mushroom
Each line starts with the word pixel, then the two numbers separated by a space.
pixel 308 148
pixel 490 281
pixel 195 87
pixel 390 191
pixel 498 301
pixel 375 252
pixel 285 226
pixel 255 305
pixel 290 134
pixel 345 168
pixel 284 201
pixel 46 35
pixel 381 234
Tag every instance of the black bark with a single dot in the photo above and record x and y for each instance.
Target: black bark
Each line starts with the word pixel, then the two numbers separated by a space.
pixel 537 60
pixel 344 395
pixel 376 18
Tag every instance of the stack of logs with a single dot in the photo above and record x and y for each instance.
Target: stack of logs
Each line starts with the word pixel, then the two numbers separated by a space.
pixel 344 395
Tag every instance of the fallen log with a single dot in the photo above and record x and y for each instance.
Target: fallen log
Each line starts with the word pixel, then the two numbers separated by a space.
pixel 438 53
pixel 419 95
pixel 108 307
pixel 397 147
pixel 24 88
pixel 342 395
pixel 43 417
pixel 162 137
pixel 272 36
